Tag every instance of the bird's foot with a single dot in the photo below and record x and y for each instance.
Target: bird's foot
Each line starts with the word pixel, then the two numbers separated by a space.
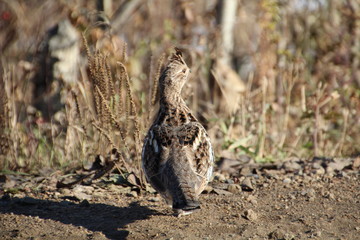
pixel 185 211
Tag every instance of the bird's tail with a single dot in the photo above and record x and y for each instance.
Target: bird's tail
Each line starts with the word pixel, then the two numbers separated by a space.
pixel 182 181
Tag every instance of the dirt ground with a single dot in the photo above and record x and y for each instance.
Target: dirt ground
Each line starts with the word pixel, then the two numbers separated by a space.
pixel 270 204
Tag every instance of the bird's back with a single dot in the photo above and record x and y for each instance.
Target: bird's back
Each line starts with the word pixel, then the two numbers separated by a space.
pixel 178 158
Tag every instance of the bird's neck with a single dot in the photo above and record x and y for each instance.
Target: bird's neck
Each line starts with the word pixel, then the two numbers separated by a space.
pixel 171 98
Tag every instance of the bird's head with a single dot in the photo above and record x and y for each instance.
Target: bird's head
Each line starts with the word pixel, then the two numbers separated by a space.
pixel 175 74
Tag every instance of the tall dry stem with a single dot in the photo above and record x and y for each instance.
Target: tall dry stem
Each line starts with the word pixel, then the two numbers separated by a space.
pixel 263 122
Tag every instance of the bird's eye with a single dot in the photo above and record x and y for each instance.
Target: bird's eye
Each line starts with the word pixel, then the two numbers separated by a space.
pixel 184 70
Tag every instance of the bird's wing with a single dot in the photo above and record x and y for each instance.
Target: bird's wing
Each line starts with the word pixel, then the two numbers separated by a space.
pixel 153 157
pixel 196 144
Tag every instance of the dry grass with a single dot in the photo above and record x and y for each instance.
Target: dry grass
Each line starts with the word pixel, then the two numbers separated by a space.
pixel 4 121
pixel 299 96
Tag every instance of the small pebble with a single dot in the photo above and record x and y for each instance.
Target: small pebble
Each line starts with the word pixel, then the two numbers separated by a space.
pixel 250 215
pixel 132 194
pixel 246 185
pixel 82 196
pixel 208 189
pixel 229 181
pixel 331 196
pixel 252 199
pixel 234 188
pixel 320 171
pixel 219 177
pixel 311 192
pixel 356 163
pixel 154 199
pixel 65 191
pixel 245 171
pixel 287 180
pixel 222 192
pixel 56 195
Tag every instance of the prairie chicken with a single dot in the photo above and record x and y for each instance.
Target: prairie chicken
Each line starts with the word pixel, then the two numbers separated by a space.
pixel 177 155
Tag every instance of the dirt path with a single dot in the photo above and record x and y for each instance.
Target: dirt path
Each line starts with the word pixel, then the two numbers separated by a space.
pixel 279 207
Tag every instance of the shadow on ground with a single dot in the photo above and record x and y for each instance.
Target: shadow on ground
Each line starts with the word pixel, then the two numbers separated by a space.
pixel 110 220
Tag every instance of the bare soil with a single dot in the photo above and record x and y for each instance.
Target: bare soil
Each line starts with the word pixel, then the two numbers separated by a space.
pixel 277 206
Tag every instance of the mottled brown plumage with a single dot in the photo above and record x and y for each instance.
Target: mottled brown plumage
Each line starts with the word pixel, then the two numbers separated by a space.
pixel 177 155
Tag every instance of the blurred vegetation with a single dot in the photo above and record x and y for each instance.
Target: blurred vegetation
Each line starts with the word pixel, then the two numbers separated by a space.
pixel 290 89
